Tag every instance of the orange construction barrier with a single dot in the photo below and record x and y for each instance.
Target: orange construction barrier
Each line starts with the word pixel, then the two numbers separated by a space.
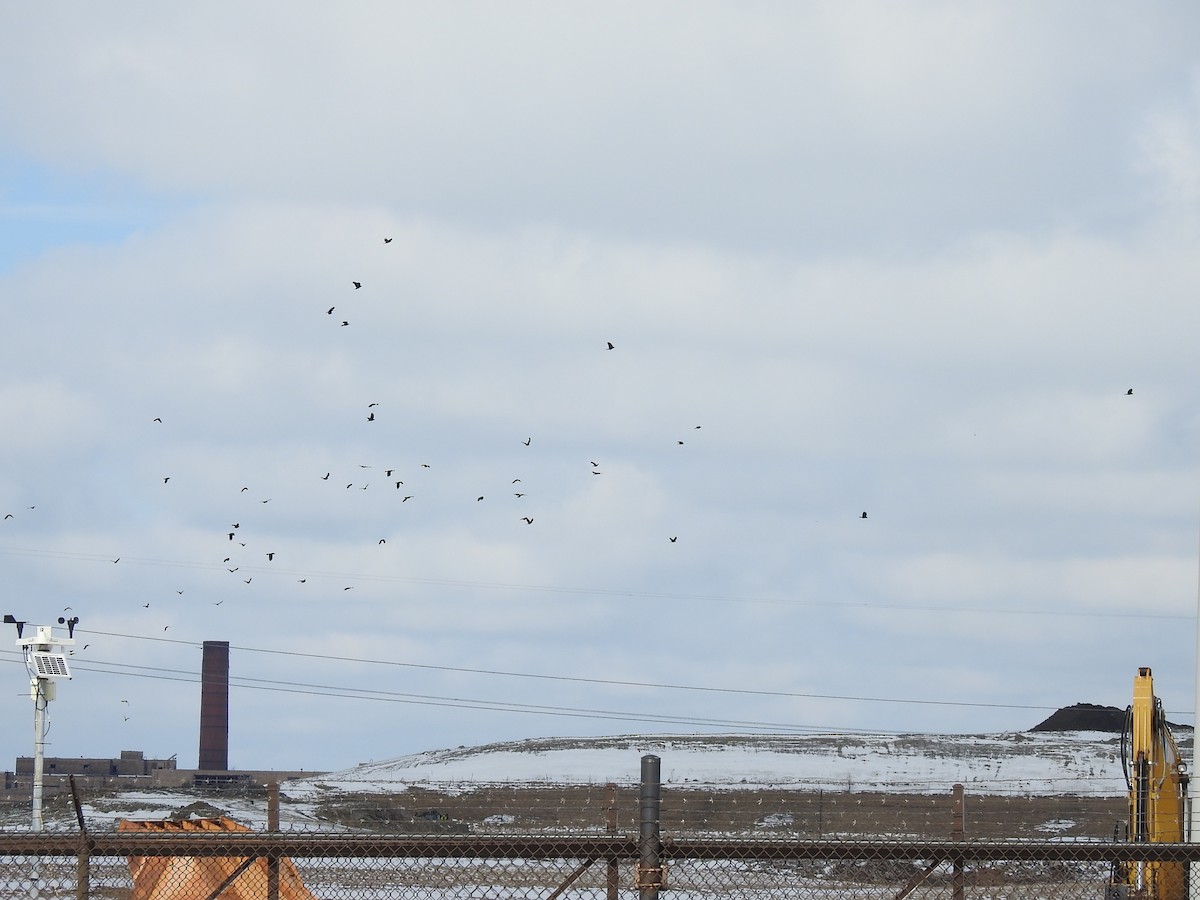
pixel 203 877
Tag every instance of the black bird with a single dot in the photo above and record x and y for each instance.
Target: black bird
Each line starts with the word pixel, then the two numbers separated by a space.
pixel 477 499
pixel 250 579
pixel 145 606
pixel 528 441
pixel 1129 393
pixel 406 499
pixel 398 483
pixel 516 481
pixel 270 557
pixel 387 240
pixel 610 346
pixel 863 516
pixel 158 420
pixel 302 580
pixel 236 525
pixel 674 539
pixel 518 495
pixel 329 312
pixel 117 560
pixel 344 323
pixel 357 284
pixel 9 516
pixel 527 520
pixel 165 480
pixel 387 473
pixel 325 477
pixel 369 405
pixel 382 541
pixel 370 417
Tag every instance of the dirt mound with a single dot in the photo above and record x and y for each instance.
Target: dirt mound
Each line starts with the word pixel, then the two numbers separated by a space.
pixel 1084 717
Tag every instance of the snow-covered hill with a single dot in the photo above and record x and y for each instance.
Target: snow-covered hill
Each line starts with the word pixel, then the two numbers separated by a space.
pixel 1076 762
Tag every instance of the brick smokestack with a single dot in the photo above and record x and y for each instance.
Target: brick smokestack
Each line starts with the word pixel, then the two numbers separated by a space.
pixel 214 707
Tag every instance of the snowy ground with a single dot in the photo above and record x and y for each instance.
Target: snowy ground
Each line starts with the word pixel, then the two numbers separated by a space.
pixel 1015 763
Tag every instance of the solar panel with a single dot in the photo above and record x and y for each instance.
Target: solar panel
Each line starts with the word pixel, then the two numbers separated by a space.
pixel 49 665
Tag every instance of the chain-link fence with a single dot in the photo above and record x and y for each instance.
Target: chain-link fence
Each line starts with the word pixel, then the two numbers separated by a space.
pixel 603 842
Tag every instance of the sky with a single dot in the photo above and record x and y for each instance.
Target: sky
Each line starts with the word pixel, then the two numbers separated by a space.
pixel 907 260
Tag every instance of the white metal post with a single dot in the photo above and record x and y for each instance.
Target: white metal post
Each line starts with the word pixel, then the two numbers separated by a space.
pixel 39 749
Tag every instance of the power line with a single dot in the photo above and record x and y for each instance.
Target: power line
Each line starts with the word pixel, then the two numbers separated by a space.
pixel 608 682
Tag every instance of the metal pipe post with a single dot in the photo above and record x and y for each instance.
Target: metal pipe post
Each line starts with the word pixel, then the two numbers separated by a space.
pixel 650 871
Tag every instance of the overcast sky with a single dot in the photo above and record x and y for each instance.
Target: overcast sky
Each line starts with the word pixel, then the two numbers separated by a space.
pixel 900 259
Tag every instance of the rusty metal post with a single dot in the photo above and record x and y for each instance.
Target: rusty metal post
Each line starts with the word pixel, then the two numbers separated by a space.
pixel 958 833
pixel 613 875
pixel 83 863
pixel 650 869
pixel 273 826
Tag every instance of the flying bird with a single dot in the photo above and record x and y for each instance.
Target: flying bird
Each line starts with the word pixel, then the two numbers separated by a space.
pixel 674 539
pixel 369 405
pixel 270 557
pixel 329 312
pixel 9 516
pixel 158 420
pixel 387 240
pixel 344 323
pixel 610 346
pixel 527 520
pixel 527 441
pixel 477 499
pixel 398 483
pixel 370 417
pixel 166 479
pixel 325 477
pixel 406 499
pixel 1129 393
pixel 382 541
pixel 357 284
pixel 863 516
pixel 518 495
pixel 387 473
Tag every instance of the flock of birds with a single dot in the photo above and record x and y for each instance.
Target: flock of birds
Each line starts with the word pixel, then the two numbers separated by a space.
pixel 242 556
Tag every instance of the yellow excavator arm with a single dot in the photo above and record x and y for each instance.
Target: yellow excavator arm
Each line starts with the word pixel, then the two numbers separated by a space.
pixel 1157 780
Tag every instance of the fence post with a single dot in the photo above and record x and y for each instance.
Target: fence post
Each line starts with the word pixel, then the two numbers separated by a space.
pixel 613 875
pixel 273 826
pixel 958 834
pixel 83 863
pixel 650 871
